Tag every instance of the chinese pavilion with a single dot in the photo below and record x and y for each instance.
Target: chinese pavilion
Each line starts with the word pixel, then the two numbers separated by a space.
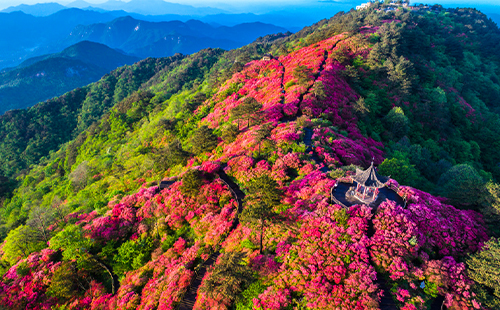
pixel 368 185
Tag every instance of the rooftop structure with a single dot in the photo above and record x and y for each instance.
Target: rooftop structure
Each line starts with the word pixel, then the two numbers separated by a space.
pixel 368 184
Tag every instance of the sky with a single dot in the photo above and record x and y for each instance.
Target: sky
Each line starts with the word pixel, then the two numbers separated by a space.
pixel 260 6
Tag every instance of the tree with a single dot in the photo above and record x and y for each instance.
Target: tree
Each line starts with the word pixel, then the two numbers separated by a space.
pixel 19 243
pixel 490 206
pixel 171 155
pixel 303 74
pixel 360 106
pixel 204 140
pixel 263 195
pixel 228 276
pixel 75 246
pixel 63 284
pixel 399 168
pixel 229 133
pixel 462 185
pixel 318 90
pixel 399 71
pixel 397 122
pixel 248 110
pixel 191 182
pixel 80 175
pixel 40 219
pixel 263 133
pixel 483 268
pixel 192 104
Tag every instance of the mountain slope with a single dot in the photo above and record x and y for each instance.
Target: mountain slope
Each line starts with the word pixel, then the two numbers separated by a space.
pixel 361 88
pixel 44 77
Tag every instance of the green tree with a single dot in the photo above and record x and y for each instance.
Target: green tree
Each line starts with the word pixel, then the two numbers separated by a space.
pixel 75 246
pixel 171 155
pixel 263 195
pixel 229 133
pixel 21 242
pixel 204 140
pixel 303 74
pixel 263 133
pixel 400 169
pixel 318 90
pixel 63 284
pixel 132 255
pixel 249 110
pixel 483 267
pixel 462 185
pixel 490 206
pixel 228 276
pixel 400 74
pixel 191 183
pixel 397 123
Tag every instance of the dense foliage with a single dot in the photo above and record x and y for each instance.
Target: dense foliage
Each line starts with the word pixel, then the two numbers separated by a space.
pixel 248 152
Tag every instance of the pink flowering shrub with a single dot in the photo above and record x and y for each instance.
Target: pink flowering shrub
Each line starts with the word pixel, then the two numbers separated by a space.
pixel 24 285
pixel 328 264
pixel 415 247
pixel 117 223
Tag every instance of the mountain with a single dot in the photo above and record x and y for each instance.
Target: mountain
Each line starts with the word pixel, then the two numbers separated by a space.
pixel 40 78
pixel 237 179
pixel 39 9
pixel 146 39
pixel 156 7
pixel 79 4
pixel 30 36
pixel 34 36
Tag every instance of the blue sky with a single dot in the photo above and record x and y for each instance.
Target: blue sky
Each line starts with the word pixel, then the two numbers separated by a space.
pixel 260 6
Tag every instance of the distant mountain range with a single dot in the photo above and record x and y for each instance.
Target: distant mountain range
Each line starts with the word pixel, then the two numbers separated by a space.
pixel 149 7
pixel 39 9
pixel 145 39
pixel 31 36
pixel 146 7
pixel 44 77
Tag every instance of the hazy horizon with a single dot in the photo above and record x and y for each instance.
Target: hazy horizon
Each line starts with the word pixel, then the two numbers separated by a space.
pixel 261 6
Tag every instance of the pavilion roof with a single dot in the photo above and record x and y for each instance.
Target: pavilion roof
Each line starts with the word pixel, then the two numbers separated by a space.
pixel 370 177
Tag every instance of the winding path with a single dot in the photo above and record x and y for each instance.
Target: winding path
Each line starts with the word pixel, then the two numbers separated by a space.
pixel 189 298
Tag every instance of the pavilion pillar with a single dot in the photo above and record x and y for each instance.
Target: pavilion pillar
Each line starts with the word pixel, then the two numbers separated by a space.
pixel 364 193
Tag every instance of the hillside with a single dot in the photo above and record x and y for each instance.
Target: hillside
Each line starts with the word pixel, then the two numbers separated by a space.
pixel 38 79
pixel 213 180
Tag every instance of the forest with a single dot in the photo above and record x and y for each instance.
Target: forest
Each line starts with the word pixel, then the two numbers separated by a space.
pixel 204 181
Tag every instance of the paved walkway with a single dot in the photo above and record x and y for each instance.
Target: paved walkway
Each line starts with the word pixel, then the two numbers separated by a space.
pixel 189 298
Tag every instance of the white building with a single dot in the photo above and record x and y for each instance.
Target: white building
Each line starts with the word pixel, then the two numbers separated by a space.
pixel 363 6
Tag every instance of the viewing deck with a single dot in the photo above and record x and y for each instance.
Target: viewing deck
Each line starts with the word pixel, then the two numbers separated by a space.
pixel 340 195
